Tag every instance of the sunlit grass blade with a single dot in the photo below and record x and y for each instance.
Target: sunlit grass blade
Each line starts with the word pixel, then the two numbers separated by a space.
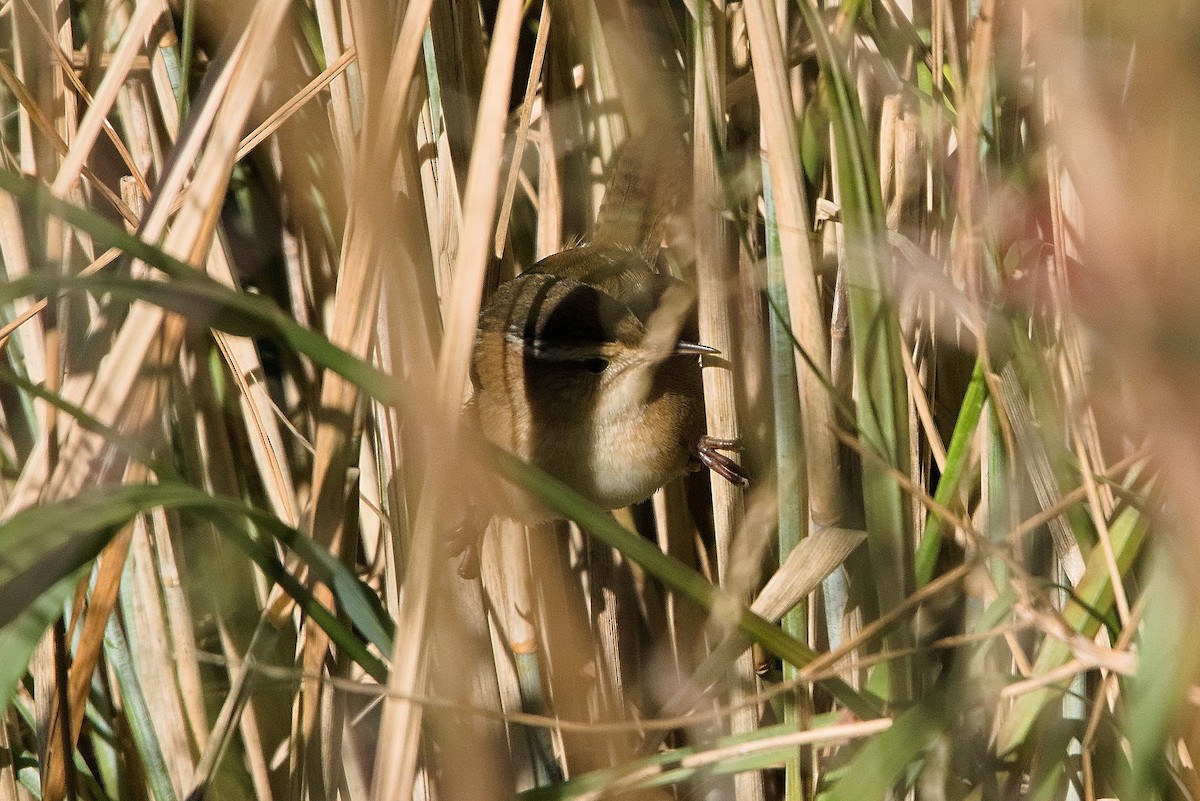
pixel 951 483
pixel 1157 693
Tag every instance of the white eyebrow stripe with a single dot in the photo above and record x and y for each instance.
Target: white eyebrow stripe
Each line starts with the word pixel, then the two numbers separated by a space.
pixel 544 350
pixel 534 347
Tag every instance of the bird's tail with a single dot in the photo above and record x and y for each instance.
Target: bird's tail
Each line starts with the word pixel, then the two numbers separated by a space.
pixel 649 176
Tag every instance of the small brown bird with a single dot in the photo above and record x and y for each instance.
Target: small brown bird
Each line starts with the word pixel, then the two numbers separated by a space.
pixel 579 369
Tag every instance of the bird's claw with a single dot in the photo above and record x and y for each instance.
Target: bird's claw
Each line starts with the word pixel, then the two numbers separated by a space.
pixel 708 451
pixel 464 542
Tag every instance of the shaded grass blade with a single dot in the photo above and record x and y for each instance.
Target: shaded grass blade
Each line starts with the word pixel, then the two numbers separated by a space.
pixel 674 574
pixel 238 312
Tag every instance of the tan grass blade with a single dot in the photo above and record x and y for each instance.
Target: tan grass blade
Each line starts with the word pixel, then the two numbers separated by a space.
pixel 809 563
pixel 814 558
pixel 439 182
pixel 151 641
pixel 341 117
pixel 396 764
pixel 258 408
pixel 57 47
pixel 15 255
pixel 204 443
pixel 549 194
pixel 109 400
pixel 920 401
pixel 357 295
pixel 48 129
pixel 10 789
pixel 968 132
pixel 239 353
pixel 177 620
pixel 507 578
pixel 353 325
pixel 284 112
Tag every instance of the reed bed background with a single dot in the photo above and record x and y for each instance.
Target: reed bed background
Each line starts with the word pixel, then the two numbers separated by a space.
pixel 948 248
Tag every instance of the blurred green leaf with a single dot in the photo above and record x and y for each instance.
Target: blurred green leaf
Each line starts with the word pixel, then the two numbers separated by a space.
pixel 881 762
pixel 1168 652
pixel 45 548
pixel 44 544
pixel 21 635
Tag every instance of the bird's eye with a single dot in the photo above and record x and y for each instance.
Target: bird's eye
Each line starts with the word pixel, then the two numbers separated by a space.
pixel 596 365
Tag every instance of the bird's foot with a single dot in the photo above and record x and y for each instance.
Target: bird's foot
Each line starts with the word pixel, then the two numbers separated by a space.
pixel 708 451
pixel 465 542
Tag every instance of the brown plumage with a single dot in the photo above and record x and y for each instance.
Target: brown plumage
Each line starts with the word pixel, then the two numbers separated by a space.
pixel 579 369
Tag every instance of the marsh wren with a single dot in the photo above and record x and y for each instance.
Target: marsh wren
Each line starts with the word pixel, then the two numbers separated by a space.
pixel 579 369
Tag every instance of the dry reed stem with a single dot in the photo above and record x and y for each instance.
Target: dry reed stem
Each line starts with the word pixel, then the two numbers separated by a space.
pixel 702 759
pixel 68 70
pixel 716 293
pixel 48 130
pixel 86 655
pixel 966 257
pixel 781 150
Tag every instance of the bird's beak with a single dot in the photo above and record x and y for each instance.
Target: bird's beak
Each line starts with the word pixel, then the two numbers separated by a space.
pixel 694 349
